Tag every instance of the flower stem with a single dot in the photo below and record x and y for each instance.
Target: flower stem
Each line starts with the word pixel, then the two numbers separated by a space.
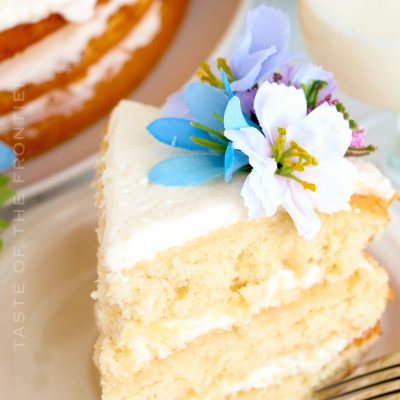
pixel 212 132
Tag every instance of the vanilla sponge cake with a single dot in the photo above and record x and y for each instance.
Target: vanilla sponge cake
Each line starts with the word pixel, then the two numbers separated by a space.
pixel 194 301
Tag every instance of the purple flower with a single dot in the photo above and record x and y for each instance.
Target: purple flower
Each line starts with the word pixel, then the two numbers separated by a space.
pixel 262 49
pixel 247 101
pixel 298 74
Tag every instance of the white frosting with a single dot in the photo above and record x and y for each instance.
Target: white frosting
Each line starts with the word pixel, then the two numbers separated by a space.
pixel 146 346
pixel 371 181
pixel 281 283
pixel 64 102
pixel 16 12
pixel 186 331
pixel 143 219
pixel 308 362
pixel 57 51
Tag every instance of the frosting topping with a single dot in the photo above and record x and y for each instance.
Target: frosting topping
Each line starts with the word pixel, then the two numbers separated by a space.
pixel 139 215
pixel 16 12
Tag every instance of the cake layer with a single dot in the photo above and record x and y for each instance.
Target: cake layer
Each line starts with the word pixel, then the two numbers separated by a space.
pixel 62 112
pixel 266 351
pixel 53 66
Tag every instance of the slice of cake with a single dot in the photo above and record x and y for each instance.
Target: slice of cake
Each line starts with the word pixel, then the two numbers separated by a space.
pixel 195 301
pixel 236 267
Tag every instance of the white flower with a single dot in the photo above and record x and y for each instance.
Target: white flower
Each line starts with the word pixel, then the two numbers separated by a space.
pixel 315 175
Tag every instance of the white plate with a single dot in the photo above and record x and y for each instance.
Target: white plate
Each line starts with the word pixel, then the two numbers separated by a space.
pixel 208 28
pixel 47 314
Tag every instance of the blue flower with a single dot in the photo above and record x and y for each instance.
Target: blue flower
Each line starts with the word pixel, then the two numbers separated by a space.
pixel 7 157
pixel 212 113
pixel 262 49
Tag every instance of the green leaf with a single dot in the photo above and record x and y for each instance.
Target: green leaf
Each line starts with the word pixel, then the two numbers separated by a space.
pixel 4 180
pixel 4 224
pixel 6 194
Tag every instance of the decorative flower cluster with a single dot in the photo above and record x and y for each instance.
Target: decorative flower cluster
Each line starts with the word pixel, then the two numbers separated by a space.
pixel 275 120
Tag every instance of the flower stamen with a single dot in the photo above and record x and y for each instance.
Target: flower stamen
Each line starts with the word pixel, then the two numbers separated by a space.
pixel 286 159
pixel 205 74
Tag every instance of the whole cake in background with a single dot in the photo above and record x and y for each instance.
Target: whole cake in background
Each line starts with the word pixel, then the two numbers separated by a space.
pixel 64 63
pixel 232 261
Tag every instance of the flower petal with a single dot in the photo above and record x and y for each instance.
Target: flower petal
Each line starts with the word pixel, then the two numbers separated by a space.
pixel 187 170
pixel 252 143
pixel 277 106
pixel 247 101
pixel 175 106
pixel 177 132
pixel 324 133
pixel 203 100
pixel 262 47
pixel 301 210
pixel 249 73
pixel 266 27
pixel 269 190
pixel 269 26
pixel 248 80
pixel 233 116
pixel 251 198
pixel 275 188
pixel 304 73
pixel 7 157
pixel 271 64
pixel 234 160
pixel 335 185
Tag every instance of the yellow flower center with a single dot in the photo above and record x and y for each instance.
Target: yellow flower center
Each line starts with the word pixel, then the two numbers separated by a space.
pixel 293 159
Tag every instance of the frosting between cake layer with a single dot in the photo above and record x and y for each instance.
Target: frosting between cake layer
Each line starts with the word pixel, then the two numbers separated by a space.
pixel 300 362
pixel 57 51
pixel 139 215
pixel 146 342
pixel 72 98
pixel 16 12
